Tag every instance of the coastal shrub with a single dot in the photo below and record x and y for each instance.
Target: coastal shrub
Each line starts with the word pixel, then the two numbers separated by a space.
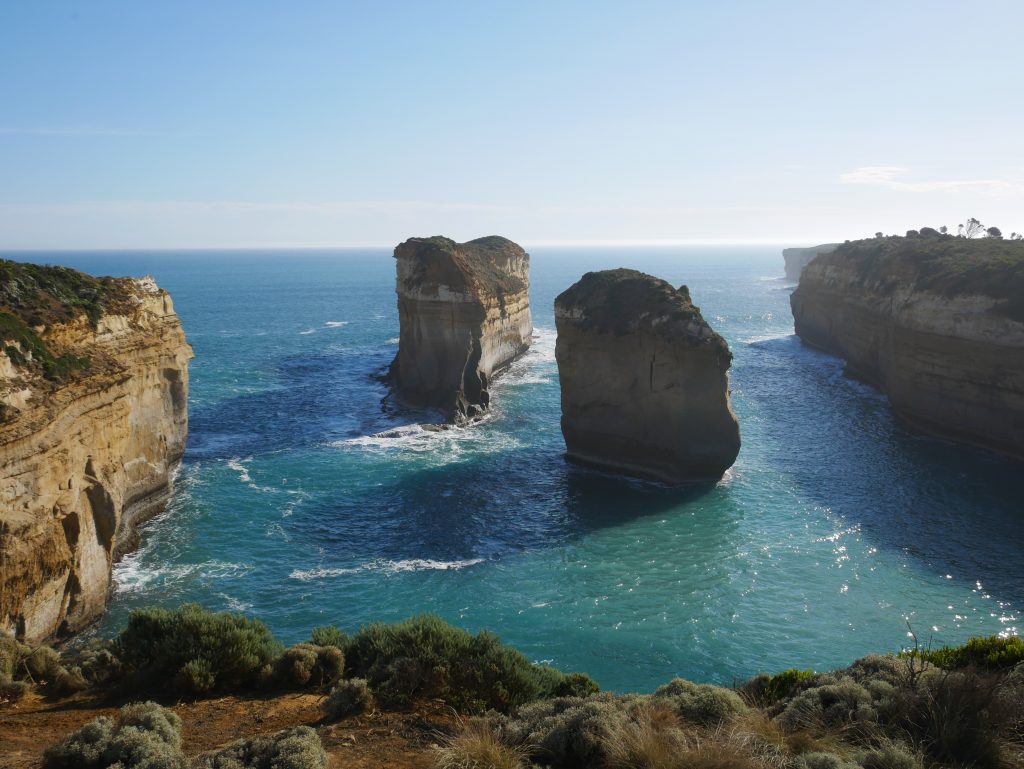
pixel 891 756
pixel 144 736
pixel 425 657
pixel 567 731
pixel 701 703
pixel 21 664
pixel 830 706
pixel 764 690
pixel 895 671
pixel 197 649
pixel 993 653
pixel 475 746
pixel 348 698
pixel 298 748
pixel 652 738
pixel 955 716
pixel 98 663
pixel 305 664
pixel 328 635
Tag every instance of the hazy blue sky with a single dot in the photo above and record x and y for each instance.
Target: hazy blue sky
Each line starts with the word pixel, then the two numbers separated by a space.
pixel 216 123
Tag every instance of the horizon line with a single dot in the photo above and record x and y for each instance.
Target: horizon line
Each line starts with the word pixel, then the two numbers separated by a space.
pixel 560 243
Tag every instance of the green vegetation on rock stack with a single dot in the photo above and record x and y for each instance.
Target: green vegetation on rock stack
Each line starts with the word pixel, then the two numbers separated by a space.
pixel 478 258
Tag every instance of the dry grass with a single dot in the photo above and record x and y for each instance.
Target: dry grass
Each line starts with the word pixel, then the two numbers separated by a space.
pixel 475 746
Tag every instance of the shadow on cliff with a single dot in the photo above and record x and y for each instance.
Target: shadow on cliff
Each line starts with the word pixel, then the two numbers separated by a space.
pixel 952 508
pixel 491 505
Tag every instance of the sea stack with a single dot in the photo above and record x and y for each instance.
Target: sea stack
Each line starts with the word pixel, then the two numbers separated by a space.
pixel 464 315
pixel 93 419
pixel 644 378
pixel 934 321
pixel 798 258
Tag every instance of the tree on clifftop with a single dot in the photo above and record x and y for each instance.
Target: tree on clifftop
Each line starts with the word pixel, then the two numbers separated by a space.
pixel 972 228
pixel 994 232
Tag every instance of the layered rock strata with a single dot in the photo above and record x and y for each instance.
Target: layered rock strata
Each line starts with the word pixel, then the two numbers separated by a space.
pixel 644 380
pixel 798 258
pixel 464 313
pixel 92 427
pixel 935 323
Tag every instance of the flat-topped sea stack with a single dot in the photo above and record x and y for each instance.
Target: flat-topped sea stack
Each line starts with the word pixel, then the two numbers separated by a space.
pixel 644 378
pixel 934 321
pixel 798 258
pixel 464 313
pixel 93 419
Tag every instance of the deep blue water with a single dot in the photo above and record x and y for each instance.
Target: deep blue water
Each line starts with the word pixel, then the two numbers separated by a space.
pixel 303 502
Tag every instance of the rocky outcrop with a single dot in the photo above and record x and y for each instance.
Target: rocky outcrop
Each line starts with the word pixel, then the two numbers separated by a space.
pixel 645 384
pixel 464 312
pixel 937 323
pixel 798 258
pixel 94 387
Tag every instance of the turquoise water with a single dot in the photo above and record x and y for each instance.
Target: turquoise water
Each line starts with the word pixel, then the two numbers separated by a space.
pixel 303 502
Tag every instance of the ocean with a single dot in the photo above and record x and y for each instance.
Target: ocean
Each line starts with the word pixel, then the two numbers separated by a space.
pixel 302 501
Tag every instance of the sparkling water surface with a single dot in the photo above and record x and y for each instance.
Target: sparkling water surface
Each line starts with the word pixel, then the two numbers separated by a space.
pixel 304 502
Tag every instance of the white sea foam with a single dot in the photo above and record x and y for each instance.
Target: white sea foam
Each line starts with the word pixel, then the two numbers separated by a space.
pixel 308 331
pixel 385 567
pixel 444 444
pixel 336 323
pixel 132 575
pixel 393 340
pixel 764 338
pixel 235 463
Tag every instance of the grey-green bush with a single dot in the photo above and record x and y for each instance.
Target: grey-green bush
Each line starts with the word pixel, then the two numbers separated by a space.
pixel 890 757
pixel 701 703
pixel 306 664
pixel 298 748
pixel 144 736
pixel 831 706
pixel 426 657
pixel 197 649
pixel 567 731
pixel 328 635
pixel 348 698
pixel 21 664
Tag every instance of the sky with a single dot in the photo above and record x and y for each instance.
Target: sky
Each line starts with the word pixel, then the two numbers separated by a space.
pixel 221 123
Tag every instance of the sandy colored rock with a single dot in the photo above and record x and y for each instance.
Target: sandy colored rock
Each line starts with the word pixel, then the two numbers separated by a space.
pixel 935 323
pixel 644 380
pixel 85 459
pixel 464 312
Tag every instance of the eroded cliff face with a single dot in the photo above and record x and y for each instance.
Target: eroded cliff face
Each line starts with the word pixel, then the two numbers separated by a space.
pixel 87 456
pixel 464 312
pixel 936 325
pixel 644 380
pixel 798 258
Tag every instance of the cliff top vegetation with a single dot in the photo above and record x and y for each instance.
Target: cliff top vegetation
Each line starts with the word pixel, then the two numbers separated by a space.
pixel 34 296
pixel 622 300
pixel 949 265
pixel 948 707
pixel 484 261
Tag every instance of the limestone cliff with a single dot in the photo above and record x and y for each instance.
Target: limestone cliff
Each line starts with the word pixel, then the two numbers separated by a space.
pixel 94 391
pixel 937 323
pixel 464 314
pixel 798 258
pixel 645 384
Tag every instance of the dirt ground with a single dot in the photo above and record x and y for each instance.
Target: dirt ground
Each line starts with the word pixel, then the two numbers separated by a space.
pixel 397 740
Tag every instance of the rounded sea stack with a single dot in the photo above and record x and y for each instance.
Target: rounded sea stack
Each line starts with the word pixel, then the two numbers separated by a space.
pixel 644 379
